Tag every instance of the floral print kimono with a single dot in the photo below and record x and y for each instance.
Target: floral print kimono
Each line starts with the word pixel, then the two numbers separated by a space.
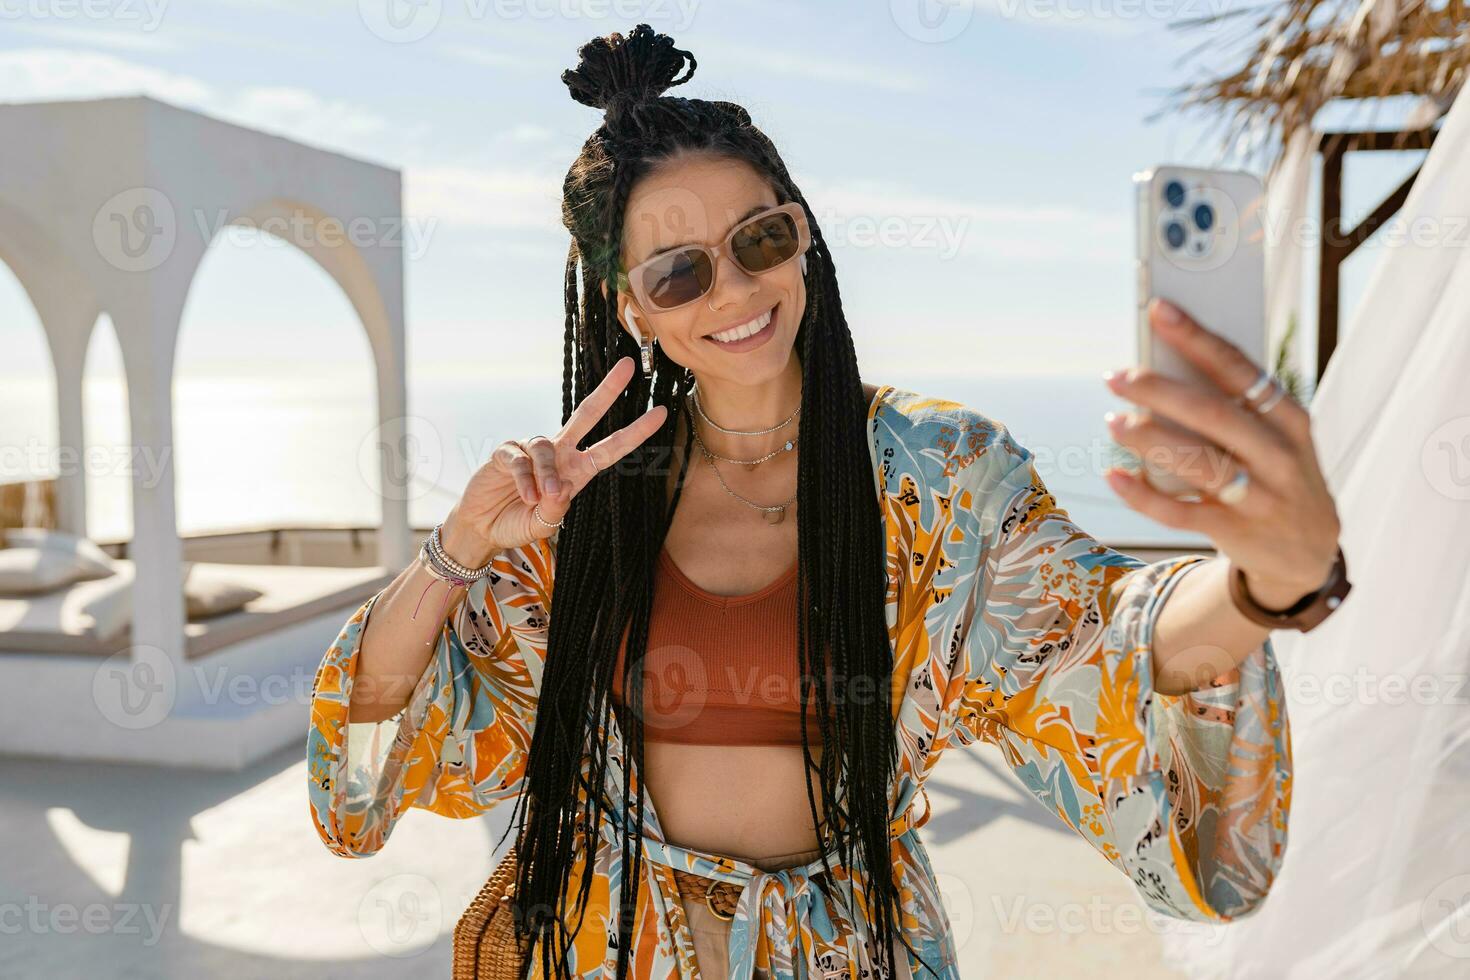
pixel 1004 629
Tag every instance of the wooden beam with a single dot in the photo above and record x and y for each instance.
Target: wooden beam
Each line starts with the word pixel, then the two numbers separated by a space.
pixel 1333 253
pixel 1377 140
pixel 1386 209
pixel 1338 244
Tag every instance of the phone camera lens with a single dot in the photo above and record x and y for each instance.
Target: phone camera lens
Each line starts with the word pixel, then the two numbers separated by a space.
pixel 1174 233
pixel 1204 216
pixel 1174 193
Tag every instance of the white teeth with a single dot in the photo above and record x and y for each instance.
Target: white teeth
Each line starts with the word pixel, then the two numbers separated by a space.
pixel 741 332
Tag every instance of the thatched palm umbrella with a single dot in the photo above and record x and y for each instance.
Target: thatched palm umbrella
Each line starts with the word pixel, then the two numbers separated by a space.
pixel 1299 55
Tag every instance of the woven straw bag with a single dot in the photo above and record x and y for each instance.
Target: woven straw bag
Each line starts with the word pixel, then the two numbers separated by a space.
pixel 485 942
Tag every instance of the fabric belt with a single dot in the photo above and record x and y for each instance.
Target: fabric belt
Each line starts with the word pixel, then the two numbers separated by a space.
pixel 722 896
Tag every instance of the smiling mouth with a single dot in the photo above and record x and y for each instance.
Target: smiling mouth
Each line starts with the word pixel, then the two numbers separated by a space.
pixel 751 328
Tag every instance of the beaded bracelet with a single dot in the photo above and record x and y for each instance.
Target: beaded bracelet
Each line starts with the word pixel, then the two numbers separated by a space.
pixel 438 563
pixel 436 543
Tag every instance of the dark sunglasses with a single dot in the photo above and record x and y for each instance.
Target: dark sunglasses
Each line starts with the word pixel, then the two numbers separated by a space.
pixel 682 275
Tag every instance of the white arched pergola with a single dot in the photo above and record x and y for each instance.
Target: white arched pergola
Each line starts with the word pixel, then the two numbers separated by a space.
pixel 108 206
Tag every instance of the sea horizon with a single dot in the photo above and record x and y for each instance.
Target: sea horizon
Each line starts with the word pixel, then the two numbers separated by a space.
pixel 250 450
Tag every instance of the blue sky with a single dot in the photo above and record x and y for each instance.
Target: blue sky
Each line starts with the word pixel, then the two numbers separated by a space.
pixel 997 148
pixel 993 153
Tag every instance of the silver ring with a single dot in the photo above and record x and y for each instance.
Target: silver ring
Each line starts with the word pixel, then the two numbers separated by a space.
pixel 1258 387
pixel 1270 402
pixel 536 513
pixel 1233 492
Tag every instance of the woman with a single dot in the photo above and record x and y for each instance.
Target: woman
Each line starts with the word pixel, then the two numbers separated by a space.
pixel 956 603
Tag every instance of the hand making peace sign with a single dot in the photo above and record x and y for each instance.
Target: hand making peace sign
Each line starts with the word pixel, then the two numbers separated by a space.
pixel 527 487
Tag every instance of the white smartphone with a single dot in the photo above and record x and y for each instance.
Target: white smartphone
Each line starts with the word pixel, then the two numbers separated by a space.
pixel 1200 245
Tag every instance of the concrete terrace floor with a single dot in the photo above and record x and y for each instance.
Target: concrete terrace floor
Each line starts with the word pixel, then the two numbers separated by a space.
pixel 135 871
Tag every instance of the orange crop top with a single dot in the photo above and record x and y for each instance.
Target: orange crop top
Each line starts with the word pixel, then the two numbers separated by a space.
pixel 720 670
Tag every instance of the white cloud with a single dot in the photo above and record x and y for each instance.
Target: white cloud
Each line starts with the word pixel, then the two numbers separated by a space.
pixel 735 57
pixel 112 38
pixel 852 214
pixel 804 65
pixel 55 74
pixel 1114 18
pixel 485 198
pixel 529 133
pixel 304 114
pixel 52 74
pixel 494 59
pixel 863 213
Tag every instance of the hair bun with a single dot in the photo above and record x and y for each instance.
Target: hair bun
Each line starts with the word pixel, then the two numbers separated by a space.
pixel 636 68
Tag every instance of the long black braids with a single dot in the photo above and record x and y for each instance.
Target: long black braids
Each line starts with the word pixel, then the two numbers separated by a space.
pixel 607 549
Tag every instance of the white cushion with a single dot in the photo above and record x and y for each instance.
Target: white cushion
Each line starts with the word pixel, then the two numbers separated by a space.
pixel 211 592
pixel 207 592
pixel 29 569
pixel 110 610
pixel 53 540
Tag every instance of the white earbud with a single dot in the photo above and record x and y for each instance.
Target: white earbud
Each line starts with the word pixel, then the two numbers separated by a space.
pixel 633 326
pixel 801 261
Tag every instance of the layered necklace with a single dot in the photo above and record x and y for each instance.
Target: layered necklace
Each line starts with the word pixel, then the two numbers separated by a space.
pixel 776 513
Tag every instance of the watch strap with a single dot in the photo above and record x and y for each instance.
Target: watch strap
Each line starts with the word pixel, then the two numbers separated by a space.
pixel 1306 612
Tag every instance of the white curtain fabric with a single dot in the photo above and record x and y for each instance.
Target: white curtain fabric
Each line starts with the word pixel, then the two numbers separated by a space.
pixel 1376 877
pixel 1286 217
